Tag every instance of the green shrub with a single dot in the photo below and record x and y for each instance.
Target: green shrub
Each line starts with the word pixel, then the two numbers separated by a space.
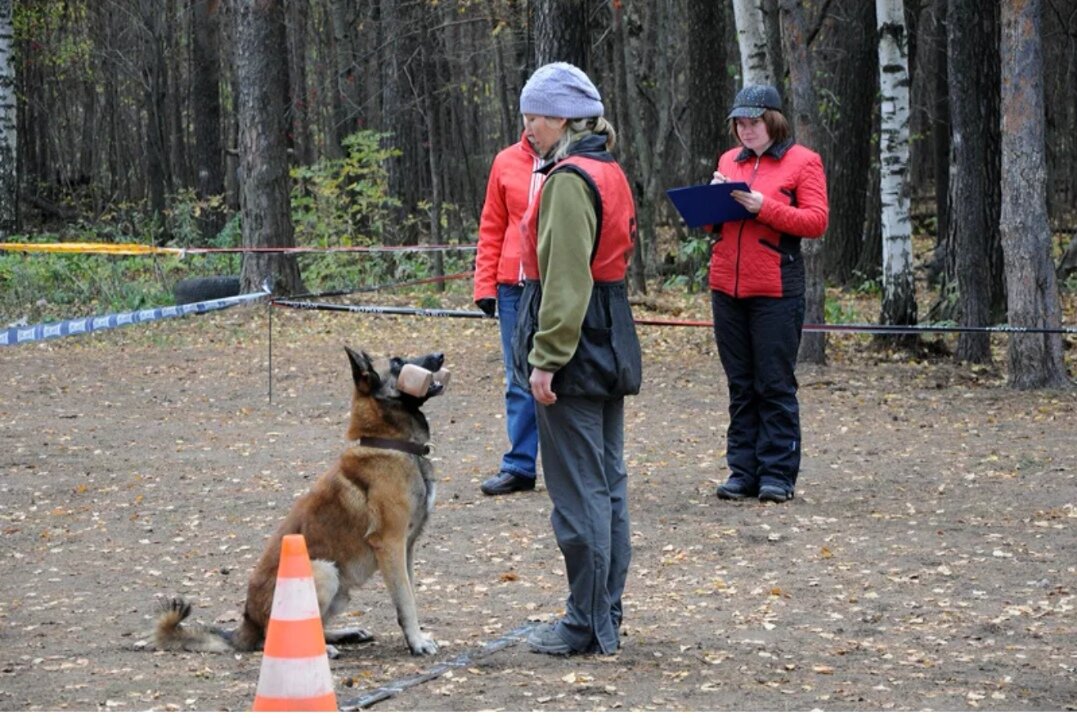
pixel 345 202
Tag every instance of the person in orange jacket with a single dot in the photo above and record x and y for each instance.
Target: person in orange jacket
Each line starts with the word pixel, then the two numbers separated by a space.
pixel 757 293
pixel 498 285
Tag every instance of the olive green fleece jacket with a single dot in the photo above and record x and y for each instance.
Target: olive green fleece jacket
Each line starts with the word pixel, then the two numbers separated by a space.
pixel 566 236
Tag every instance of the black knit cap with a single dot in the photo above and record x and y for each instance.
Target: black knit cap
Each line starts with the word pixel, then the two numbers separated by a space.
pixel 754 100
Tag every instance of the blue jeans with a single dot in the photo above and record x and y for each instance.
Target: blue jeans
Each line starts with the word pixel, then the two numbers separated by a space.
pixel 520 422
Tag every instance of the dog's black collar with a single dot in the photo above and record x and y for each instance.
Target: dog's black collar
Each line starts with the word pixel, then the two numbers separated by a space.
pixel 408 447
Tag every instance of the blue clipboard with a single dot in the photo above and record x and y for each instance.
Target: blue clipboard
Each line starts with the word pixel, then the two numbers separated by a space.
pixel 709 203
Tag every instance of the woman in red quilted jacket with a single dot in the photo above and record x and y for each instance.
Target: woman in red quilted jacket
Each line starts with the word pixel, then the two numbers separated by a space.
pixel 757 293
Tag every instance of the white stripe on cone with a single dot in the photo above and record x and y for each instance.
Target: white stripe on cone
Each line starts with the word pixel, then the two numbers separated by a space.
pixel 295 599
pixel 295 677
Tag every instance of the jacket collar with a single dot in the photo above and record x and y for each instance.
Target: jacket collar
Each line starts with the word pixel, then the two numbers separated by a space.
pixel 592 145
pixel 526 146
pixel 777 150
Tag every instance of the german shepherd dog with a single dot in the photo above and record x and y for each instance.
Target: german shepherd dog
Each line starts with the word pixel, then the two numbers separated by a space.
pixel 363 515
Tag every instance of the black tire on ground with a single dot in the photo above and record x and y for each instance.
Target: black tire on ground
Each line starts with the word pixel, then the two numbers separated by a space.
pixel 201 289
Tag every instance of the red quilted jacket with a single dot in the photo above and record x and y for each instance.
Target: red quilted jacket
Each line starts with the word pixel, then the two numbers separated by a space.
pixel 760 257
pixel 512 184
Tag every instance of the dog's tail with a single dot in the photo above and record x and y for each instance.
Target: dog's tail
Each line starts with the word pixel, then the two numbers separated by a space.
pixel 171 635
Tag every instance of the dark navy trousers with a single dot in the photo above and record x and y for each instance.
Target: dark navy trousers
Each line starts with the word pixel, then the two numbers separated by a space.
pixel 758 339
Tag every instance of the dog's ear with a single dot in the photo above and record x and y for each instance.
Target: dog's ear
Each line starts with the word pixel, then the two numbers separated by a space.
pixel 363 374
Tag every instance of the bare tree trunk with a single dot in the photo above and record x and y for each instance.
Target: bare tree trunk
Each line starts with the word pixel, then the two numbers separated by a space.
pixel 627 119
pixel 562 32
pixel 232 161
pixel 1035 360
pixel 430 109
pixel 805 117
pixel 343 16
pixel 899 290
pixel 772 26
pixel 871 254
pixel 1060 77
pixel 206 108
pixel 264 186
pixel 173 47
pixel 756 66
pixel 506 89
pixel 394 113
pixel 844 53
pixel 975 187
pixel 941 139
pixel 299 110
pixel 651 104
pixel 154 91
pixel 9 178
pixel 710 89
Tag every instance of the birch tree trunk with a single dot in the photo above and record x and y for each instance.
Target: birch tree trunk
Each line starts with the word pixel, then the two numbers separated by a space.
pixel 756 67
pixel 807 128
pixel 262 83
pixel 9 179
pixel 899 290
pixel 1035 360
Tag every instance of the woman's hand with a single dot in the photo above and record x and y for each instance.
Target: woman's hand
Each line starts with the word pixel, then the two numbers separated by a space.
pixel 751 201
pixel 540 386
pixel 718 178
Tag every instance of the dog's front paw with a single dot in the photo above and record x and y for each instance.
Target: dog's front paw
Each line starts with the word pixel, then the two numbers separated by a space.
pixel 424 646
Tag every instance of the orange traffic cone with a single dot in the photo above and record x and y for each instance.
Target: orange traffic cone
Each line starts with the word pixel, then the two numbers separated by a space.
pixel 295 669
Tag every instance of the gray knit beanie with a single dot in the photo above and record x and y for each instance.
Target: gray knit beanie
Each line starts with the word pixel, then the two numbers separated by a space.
pixel 561 90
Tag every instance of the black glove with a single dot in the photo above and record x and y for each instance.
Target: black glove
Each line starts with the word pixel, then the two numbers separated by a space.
pixel 488 305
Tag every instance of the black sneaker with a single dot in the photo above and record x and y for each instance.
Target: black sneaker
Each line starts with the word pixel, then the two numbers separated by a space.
pixel 775 494
pixel 506 482
pixel 738 488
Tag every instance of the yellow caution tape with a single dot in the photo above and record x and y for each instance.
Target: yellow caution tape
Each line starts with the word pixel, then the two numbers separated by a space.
pixel 86 248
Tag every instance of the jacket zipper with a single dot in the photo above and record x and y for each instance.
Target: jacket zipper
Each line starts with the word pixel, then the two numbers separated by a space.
pixel 532 190
pixel 740 234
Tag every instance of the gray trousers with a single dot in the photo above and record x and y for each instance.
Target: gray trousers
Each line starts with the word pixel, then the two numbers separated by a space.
pixel 582 445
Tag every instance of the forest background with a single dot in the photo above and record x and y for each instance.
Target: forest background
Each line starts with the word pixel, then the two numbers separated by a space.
pixel 139 120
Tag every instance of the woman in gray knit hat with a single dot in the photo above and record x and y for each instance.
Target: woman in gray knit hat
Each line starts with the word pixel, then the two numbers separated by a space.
pixel 576 350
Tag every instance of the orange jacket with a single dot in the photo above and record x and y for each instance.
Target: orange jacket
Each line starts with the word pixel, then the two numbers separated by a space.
pixel 513 183
pixel 760 257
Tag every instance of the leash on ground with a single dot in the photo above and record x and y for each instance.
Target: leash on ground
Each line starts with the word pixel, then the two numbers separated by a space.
pixel 399 686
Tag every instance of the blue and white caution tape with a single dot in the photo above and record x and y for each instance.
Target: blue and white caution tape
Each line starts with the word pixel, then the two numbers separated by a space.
pixel 71 327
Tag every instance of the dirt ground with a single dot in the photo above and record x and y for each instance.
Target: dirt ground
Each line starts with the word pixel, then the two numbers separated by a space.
pixel 929 561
